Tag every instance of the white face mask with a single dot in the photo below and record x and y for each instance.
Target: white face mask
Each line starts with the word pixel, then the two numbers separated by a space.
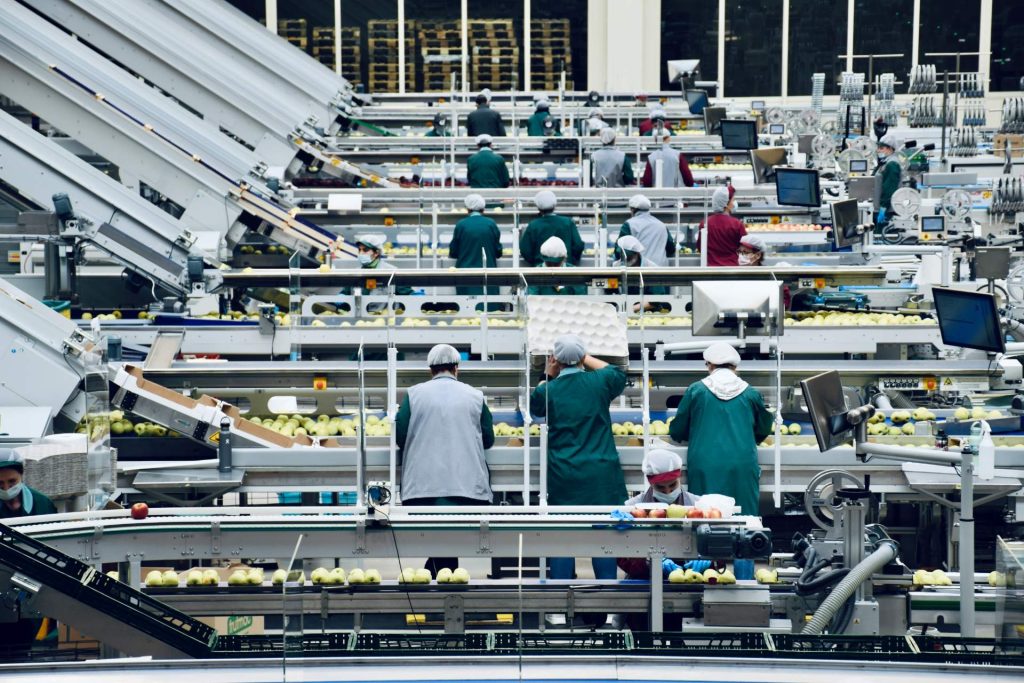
pixel 669 497
pixel 365 258
pixel 12 493
pixel 746 259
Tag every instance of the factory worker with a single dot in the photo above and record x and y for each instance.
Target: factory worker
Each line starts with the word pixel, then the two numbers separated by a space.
pixel 610 167
pixel 657 240
pixel 476 243
pixel 484 119
pixel 752 250
pixel 553 254
pixel 724 230
pixel 890 170
pixel 655 123
pixel 442 429
pixel 632 253
pixel 535 125
pixel 583 465
pixel 595 122
pixel 371 251
pixel 722 419
pixel 675 168
pixel 549 224
pixel 439 129
pixel 486 168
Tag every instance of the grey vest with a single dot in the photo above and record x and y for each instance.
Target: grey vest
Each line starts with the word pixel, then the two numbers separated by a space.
pixel 652 234
pixel 670 175
pixel 607 164
pixel 444 451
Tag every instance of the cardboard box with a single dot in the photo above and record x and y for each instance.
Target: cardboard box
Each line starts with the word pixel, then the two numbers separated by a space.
pixel 245 427
pixel 69 638
pixel 161 391
pixel 240 625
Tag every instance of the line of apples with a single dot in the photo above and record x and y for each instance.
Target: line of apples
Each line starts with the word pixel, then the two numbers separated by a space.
pixel 857 319
pixel 422 576
pixel 675 511
pixel 710 576
pixel 323 425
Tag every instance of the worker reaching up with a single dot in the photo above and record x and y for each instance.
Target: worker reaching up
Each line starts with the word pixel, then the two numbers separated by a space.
pixel 549 224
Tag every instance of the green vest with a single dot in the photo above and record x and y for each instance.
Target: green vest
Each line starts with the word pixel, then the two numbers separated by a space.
pixel 475 235
pixel 550 225
pixel 486 169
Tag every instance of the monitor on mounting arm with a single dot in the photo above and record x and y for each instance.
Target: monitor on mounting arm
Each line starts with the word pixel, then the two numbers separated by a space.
pixel 826 405
pixel 713 119
pixel 764 160
pixel 739 134
pixel 845 223
pixel 720 307
pixel 797 187
pixel 969 320
pixel 697 101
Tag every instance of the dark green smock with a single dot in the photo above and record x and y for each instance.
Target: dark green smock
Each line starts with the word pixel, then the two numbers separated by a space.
pixel 486 169
pixel 535 124
pixel 474 235
pixel 550 225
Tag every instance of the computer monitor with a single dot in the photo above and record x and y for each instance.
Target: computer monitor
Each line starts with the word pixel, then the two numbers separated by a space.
pixel 776 129
pixel 866 188
pixel 969 319
pixel 805 143
pixel 764 160
pixel 858 165
pixel 717 305
pixel 757 105
pixel 845 221
pixel 933 227
pixel 696 100
pixel 712 120
pixel 682 69
pixel 797 187
pixel 826 406
pixel 739 134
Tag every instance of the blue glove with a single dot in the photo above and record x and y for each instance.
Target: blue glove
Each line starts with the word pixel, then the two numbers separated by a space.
pixel 623 518
pixel 699 566
pixel 668 566
pixel 881 215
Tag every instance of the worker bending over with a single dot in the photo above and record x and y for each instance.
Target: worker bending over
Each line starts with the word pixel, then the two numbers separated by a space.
pixel 442 429
pixel 675 168
pixel 549 224
pixel 610 167
pixel 476 243
pixel 552 254
pixel 724 230
pixel 486 168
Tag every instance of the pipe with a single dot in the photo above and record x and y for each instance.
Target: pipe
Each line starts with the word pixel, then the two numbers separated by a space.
pixel 885 553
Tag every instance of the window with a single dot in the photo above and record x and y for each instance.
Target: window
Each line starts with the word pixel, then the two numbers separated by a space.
pixel 1007 44
pixel 878 31
pixel 939 34
pixel 689 30
pixel 753 48
pixel 817 36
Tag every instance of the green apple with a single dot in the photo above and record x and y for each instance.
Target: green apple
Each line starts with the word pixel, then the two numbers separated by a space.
pixel 154 578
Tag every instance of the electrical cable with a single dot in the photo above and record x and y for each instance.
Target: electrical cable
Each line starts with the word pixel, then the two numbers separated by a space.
pixel 385 497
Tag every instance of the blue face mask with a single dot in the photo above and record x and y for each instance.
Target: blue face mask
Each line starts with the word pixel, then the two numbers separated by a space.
pixel 12 493
pixel 365 258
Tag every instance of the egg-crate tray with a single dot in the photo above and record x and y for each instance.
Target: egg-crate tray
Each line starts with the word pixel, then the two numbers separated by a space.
pixel 596 322
pixel 55 471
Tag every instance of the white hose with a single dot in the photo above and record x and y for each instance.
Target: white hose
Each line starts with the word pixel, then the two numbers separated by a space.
pixel 885 553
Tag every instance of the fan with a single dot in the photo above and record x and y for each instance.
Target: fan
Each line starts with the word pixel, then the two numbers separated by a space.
pixel 906 202
pixel 775 115
pixel 823 146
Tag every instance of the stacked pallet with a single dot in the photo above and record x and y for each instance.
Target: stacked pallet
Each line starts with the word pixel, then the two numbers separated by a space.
pixel 382 55
pixel 440 45
pixel 295 31
pixel 550 49
pixel 494 54
pixel 323 51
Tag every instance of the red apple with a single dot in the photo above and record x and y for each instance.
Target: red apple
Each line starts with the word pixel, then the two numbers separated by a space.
pixel 714 513
pixel 639 513
pixel 140 511
pixel 695 513
pixel 658 513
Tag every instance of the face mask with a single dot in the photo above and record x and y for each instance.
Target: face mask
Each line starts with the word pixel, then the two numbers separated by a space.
pixel 12 493
pixel 746 259
pixel 666 497
pixel 365 258
pixel 882 158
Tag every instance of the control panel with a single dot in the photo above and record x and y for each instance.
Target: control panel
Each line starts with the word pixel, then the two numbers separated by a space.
pixel 931 383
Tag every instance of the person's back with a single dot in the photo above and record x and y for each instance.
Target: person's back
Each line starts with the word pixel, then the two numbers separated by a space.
pixel 653 234
pixel 487 169
pixel 608 166
pixel 476 237
pixel 485 121
pixel 535 124
pixel 724 234
pixel 550 225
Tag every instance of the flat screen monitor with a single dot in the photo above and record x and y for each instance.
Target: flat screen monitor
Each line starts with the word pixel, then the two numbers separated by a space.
pixel 696 100
pixel 826 405
pixel 739 134
pixel 713 119
pixel 776 129
pixel 757 105
pixel 845 221
pixel 764 160
pixel 969 319
pixel 933 224
pixel 805 143
pixel 718 305
pixel 797 187
pixel 866 188
pixel 858 165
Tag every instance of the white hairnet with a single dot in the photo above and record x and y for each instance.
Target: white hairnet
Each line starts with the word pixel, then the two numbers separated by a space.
pixel 483 139
pixel 607 136
pixel 720 199
pixel 721 353
pixel 545 200
pixel 10 458
pixel 542 103
pixel 486 92
pixel 569 349
pixel 640 202
pixel 372 240
pixel 661 461
pixel 474 202
pixel 666 135
pixel 890 140
pixel 596 112
pixel 630 243
pixel 658 113
pixel 754 242
pixel 443 354
pixel 553 249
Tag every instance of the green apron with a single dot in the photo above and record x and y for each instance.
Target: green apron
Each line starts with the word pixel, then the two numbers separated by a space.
pixel 550 225
pixel 473 234
pixel 485 169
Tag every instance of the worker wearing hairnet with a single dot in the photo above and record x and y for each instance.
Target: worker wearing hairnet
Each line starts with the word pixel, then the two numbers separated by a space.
pixel 439 126
pixel 752 250
pixel 583 465
pixel 724 230
pixel 652 233
pixel 476 243
pixel 675 168
pixel 655 123
pixel 537 125
pixel 722 419
pixel 891 171
pixel 486 168
pixel 594 123
pixel 553 254
pixel 442 429
pixel 484 119
pixel 371 253
pixel 610 167
pixel 549 224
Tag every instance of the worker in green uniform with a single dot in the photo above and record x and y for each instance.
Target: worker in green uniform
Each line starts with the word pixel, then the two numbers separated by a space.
pixel 583 465
pixel 19 500
pixel 486 168
pixel 476 238
pixel 370 257
pixel 549 224
pixel 439 129
pixel 891 171
pixel 722 419
pixel 552 253
pixel 536 125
